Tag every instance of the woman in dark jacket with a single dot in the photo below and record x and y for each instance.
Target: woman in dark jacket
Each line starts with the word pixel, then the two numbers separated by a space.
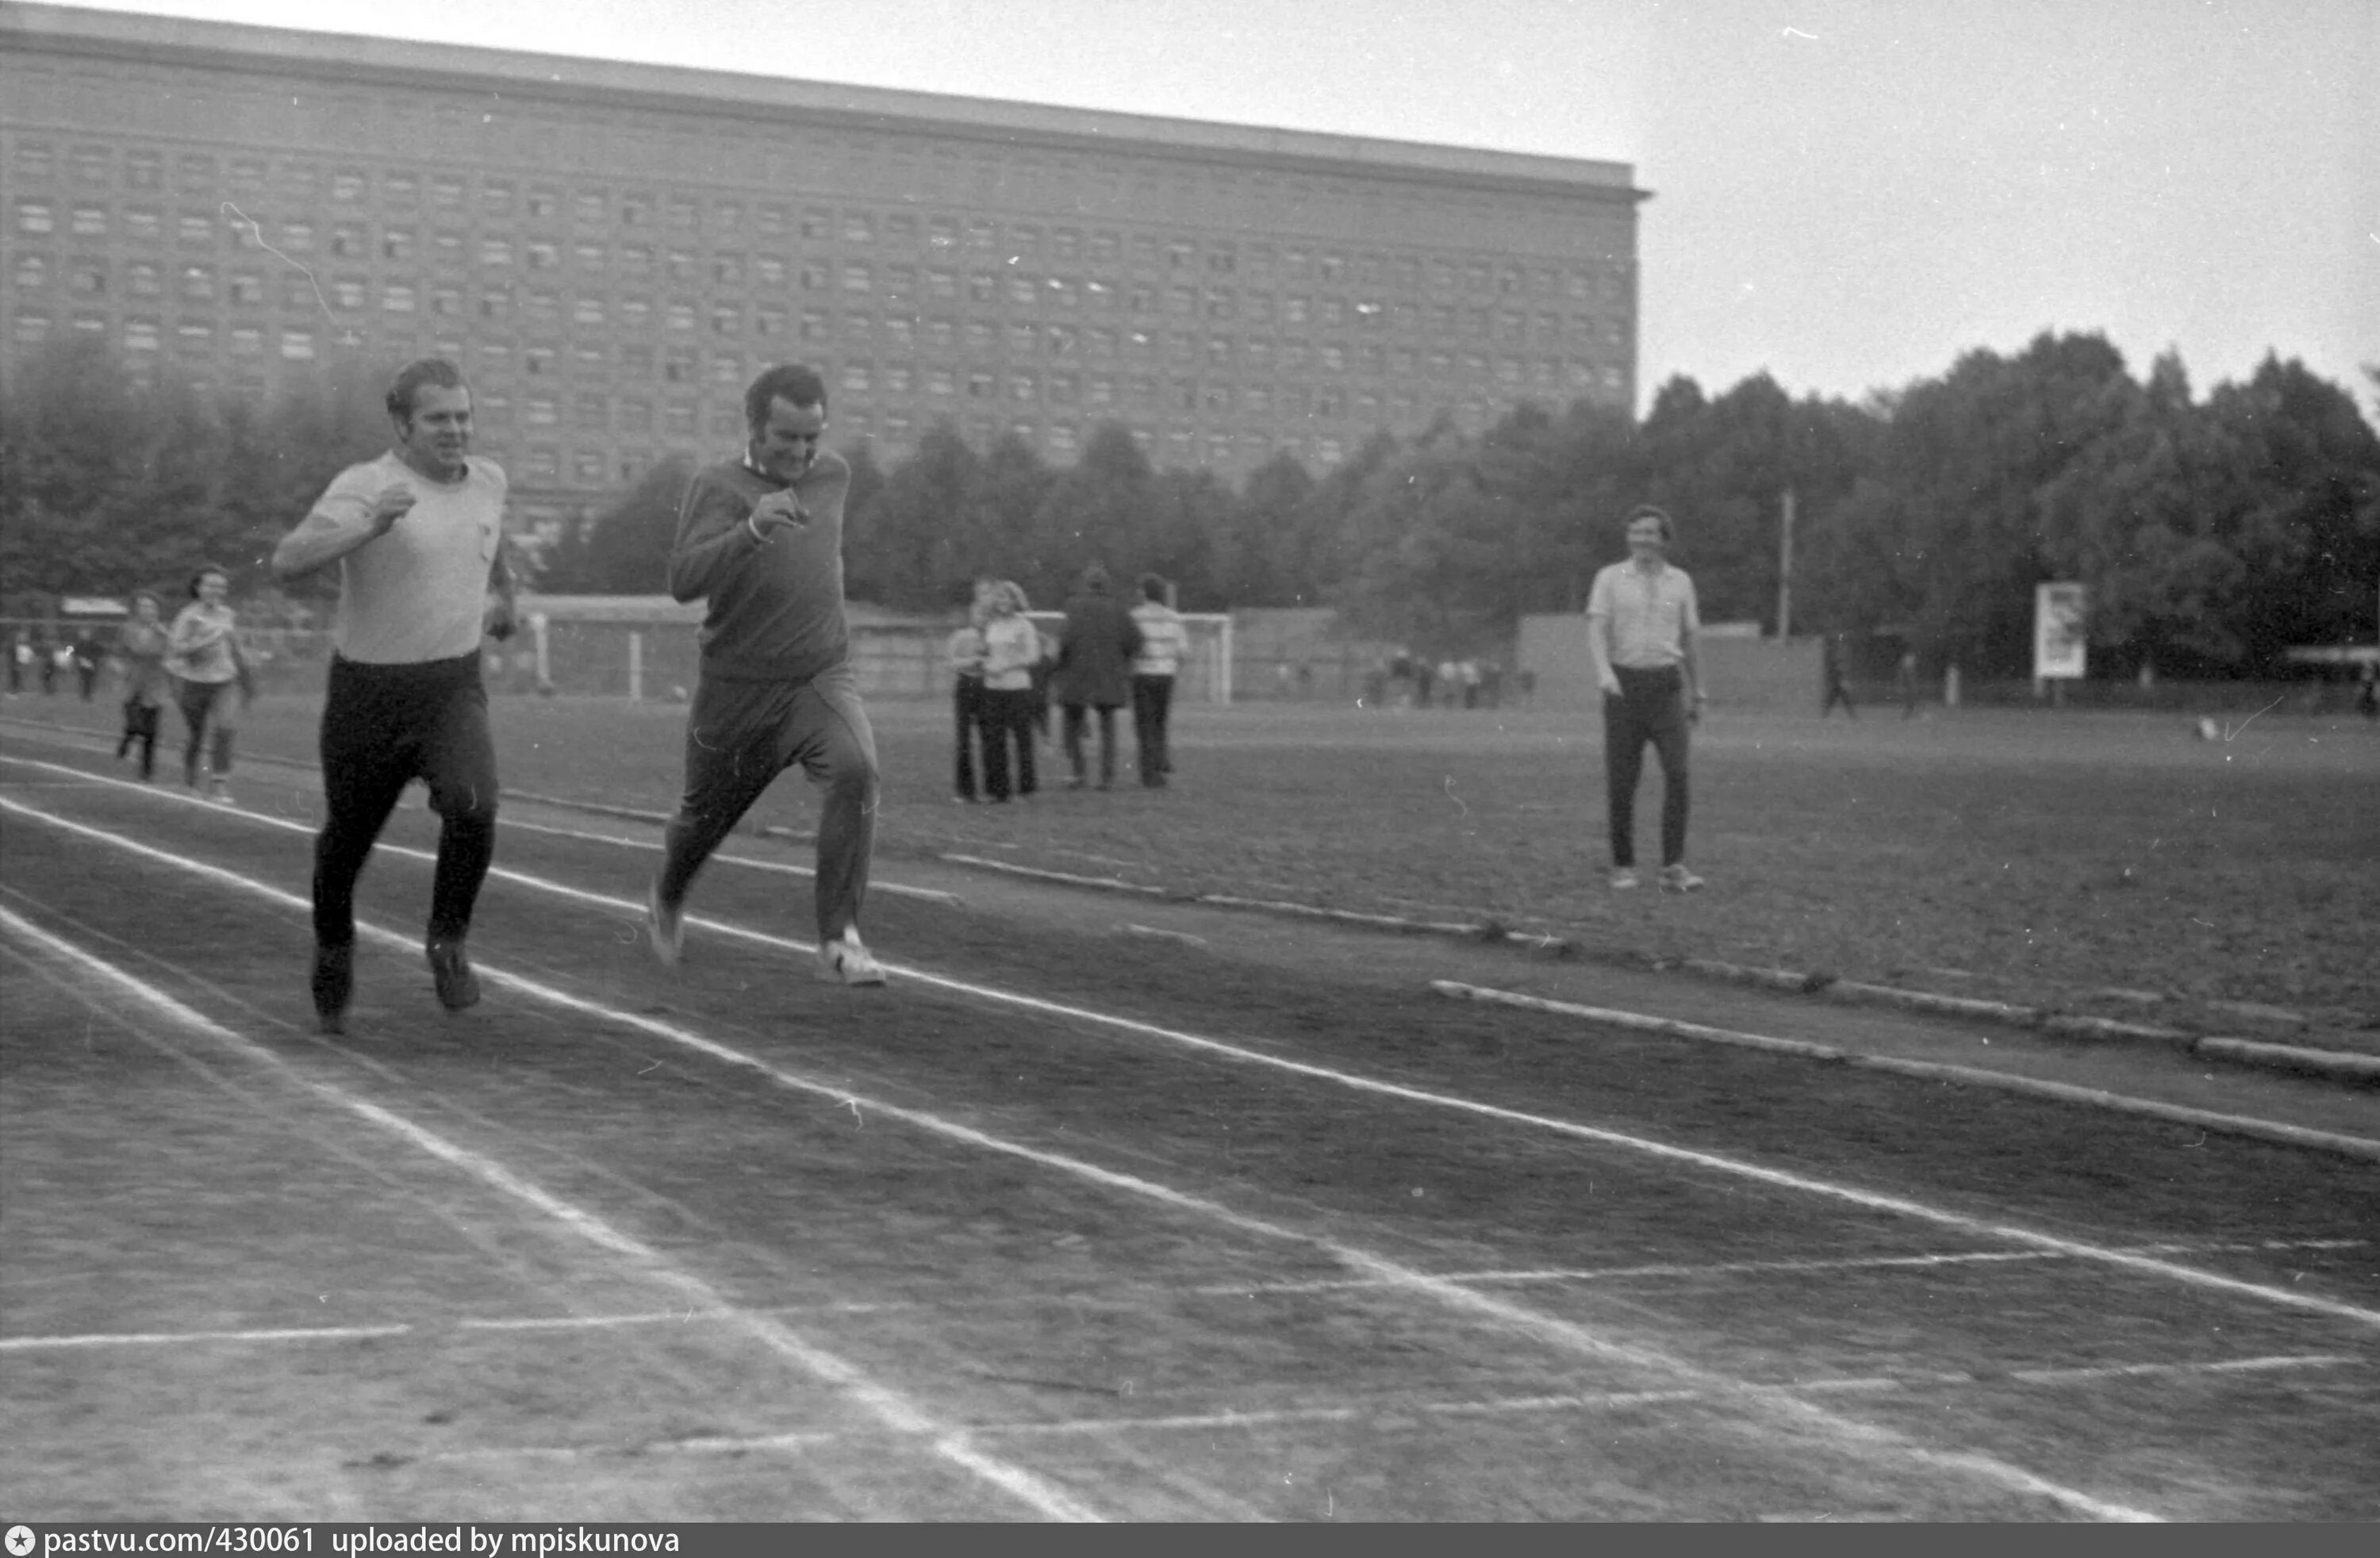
pixel 1095 669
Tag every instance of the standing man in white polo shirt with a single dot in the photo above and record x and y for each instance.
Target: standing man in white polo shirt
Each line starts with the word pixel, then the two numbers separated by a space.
pixel 419 538
pixel 1641 622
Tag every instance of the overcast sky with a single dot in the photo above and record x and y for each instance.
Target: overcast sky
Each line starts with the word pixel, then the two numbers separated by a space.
pixel 1848 193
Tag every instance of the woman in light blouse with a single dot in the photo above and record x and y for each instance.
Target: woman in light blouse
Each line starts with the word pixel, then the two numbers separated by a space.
pixel 203 657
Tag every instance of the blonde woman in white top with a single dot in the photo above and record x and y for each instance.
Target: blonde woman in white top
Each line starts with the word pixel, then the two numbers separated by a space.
pixel 202 656
pixel 1012 649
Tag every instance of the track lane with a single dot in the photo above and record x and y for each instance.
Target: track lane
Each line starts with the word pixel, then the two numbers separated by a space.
pixel 1029 1109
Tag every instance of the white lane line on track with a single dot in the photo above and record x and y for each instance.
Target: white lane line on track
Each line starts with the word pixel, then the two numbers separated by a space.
pixel 1798 1417
pixel 1964 1076
pixel 1777 1178
pixel 888 1407
pixel 1213 1290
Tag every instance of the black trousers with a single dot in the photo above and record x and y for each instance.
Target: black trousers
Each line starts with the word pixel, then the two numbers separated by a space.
pixel 199 701
pixel 384 726
pixel 140 722
pixel 1008 721
pixel 968 716
pixel 1650 709
pixel 1152 707
pixel 1075 727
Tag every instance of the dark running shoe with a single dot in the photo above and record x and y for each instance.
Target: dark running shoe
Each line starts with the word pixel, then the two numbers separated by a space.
pixel 457 986
pixel 334 983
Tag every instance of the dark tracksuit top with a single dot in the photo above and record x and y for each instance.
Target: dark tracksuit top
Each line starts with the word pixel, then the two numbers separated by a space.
pixel 775 688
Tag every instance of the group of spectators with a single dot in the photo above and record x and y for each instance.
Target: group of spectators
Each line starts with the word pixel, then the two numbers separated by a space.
pixel 1007 673
pixel 1410 681
pixel 195 661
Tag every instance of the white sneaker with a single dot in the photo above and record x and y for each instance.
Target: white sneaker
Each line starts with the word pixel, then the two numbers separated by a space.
pixel 664 927
pixel 1677 879
pixel 848 960
pixel 1624 877
pixel 220 792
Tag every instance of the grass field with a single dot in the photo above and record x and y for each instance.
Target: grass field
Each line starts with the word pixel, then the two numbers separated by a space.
pixel 2052 858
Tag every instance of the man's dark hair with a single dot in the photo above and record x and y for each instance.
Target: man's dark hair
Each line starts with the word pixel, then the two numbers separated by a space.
pixel 795 382
pixel 204 570
pixel 409 379
pixel 1152 588
pixel 1653 511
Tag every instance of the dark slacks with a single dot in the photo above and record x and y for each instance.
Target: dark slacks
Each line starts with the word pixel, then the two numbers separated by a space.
pixel 140 722
pixel 384 726
pixel 1650 709
pixel 739 736
pixel 199 701
pixel 1152 708
pixel 1008 724
pixel 1075 726
pixel 968 711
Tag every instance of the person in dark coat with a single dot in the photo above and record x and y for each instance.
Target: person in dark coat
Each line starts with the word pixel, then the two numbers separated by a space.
pixel 1095 653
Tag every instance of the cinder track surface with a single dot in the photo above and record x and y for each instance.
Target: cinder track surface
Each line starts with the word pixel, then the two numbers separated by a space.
pixel 1061 1226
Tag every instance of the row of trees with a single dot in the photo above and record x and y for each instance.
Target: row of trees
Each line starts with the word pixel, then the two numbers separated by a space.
pixel 2213 532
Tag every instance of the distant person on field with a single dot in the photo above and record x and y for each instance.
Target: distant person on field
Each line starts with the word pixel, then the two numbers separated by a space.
pixel 1641 623
pixel 761 539
pixel 1095 654
pixel 1424 675
pixel 86 664
pixel 1011 650
pixel 1904 681
pixel 965 652
pixel 142 644
pixel 202 654
pixel 419 538
pixel 2367 690
pixel 1163 643
pixel 50 655
pixel 21 655
pixel 1837 689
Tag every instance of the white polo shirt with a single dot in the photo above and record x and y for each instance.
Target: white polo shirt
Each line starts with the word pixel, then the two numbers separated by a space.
pixel 1650 614
pixel 420 592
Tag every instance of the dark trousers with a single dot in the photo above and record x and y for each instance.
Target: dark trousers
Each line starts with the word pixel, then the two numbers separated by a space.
pixel 1152 706
pixel 199 701
pixel 968 711
pixel 1837 693
pixel 1008 721
pixel 739 736
pixel 384 726
pixel 1650 708
pixel 1074 726
pixel 140 722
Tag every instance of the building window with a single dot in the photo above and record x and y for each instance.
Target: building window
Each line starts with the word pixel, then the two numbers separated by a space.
pixel 347 187
pixel 543 255
pixel 495 251
pixel 347 292
pixel 31 271
pixel 396 243
pixel 858 277
pixel 298 346
pixel 396 188
pixel 445 191
pixel 198 283
pixel 195 339
pixel 247 341
pixel 590 206
pixel 34 160
pixel 726 318
pixel 346 241
pixel 140 336
pixel 90 221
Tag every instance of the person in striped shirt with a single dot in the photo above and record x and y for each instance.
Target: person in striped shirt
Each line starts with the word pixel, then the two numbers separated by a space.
pixel 1163 644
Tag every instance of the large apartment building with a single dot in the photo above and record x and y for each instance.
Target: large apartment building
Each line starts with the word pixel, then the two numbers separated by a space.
pixel 611 250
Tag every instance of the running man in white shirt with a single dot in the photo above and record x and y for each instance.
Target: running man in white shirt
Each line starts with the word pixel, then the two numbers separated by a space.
pixel 417 535
pixel 1641 622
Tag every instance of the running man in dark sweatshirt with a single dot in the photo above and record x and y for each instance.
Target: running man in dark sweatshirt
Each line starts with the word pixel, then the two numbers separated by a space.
pixel 761 539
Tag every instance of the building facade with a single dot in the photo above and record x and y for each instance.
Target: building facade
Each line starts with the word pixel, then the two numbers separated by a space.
pixel 611 252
